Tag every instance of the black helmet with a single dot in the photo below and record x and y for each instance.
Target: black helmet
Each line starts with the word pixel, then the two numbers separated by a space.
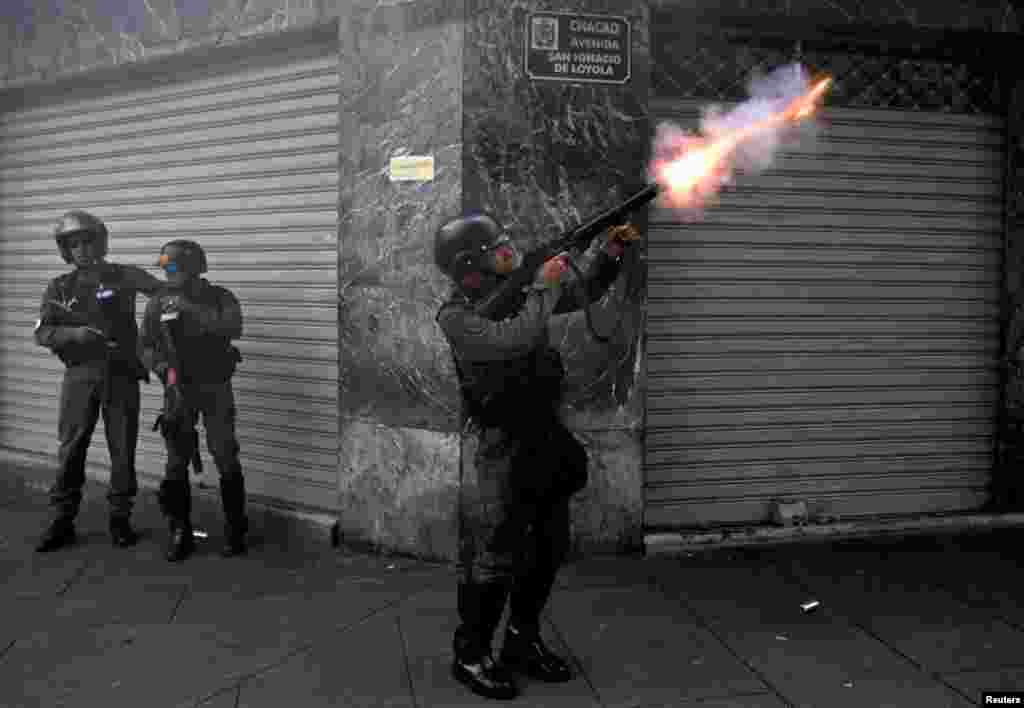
pixel 80 222
pixel 459 243
pixel 182 256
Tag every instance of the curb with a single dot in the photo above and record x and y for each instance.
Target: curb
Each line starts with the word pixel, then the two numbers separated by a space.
pixel 671 543
pixel 299 524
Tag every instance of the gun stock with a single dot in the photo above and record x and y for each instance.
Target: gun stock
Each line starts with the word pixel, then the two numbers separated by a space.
pixel 174 362
pixel 499 302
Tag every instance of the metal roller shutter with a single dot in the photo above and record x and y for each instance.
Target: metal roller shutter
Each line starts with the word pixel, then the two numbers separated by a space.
pixel 241 157
pixel 828 333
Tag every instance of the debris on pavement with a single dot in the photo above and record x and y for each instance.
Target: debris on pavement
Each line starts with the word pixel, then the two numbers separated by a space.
pixel 632 622
pixel 789 513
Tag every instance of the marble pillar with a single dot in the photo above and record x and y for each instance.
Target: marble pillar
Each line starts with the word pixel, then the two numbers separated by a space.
pixel 446 80
pixel 47 39
pixel 401 95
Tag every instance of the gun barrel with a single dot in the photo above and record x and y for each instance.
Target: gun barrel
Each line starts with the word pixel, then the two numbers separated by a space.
pixel 637 200
pixel 616 213
pixel 579 237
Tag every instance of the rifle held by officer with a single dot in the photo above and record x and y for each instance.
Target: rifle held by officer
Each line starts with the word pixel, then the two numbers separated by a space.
pixel 177 413
pixel 58 314
pixel 576 238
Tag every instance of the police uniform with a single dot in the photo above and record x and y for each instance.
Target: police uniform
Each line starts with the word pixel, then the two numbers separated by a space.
pixel 101 376
pixel 199 321
pixel 519 467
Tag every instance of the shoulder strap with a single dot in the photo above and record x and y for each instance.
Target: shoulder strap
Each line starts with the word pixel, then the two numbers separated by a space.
pixel 451 348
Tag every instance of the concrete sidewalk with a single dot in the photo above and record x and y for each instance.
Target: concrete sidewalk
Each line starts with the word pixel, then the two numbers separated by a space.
pixel 927 622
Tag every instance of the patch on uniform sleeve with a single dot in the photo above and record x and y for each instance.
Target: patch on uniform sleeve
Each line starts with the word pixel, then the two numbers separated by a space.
pixel 39 323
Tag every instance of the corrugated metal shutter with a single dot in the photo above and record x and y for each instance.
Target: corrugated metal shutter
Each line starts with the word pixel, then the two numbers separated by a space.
pixel 829 332
pixel 242 158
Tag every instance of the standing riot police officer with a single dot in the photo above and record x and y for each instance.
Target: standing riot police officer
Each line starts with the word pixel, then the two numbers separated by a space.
pixel 520 464
pixel 87 319
pixel 186 341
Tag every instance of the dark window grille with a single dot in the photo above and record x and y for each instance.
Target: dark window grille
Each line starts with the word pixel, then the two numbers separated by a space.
pixel 719 72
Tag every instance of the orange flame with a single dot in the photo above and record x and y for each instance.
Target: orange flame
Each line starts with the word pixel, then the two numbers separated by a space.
pixel 700 164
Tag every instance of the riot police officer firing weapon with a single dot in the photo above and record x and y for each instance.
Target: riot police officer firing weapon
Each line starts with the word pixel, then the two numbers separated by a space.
pixel 186 341
pixel 87 318
pixel 520 464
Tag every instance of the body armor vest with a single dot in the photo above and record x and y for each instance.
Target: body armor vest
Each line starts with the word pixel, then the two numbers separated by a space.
pixel 205 358
pixel 508 393
pixel 103 304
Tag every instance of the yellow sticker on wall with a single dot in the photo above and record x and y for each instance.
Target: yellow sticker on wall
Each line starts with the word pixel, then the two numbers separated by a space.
pixel 412 168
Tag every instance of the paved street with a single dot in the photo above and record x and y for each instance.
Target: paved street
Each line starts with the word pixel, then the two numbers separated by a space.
pixel 924 622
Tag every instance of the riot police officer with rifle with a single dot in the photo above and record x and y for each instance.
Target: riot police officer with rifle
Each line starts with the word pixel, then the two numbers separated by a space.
pixel 186 341
pixel 87 318
pixel 520 464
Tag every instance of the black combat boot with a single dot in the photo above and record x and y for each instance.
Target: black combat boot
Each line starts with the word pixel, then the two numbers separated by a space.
pixel 480 608
pixel 58 534
pixel 176 502
pixel 234 543
pixel 486 678
pixel 236 525
pixel 181 543
pixel 122 534
pixel 524 651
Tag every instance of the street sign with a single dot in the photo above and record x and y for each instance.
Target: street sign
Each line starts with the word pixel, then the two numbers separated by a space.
pixel 577 48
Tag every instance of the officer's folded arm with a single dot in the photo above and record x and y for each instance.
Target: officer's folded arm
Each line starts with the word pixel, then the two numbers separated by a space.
pixel 56 338
pixel 49 335
pixel 52 337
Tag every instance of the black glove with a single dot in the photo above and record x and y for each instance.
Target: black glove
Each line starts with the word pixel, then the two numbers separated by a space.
pixel 176 409
pixel 196 318
pixel 175 413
